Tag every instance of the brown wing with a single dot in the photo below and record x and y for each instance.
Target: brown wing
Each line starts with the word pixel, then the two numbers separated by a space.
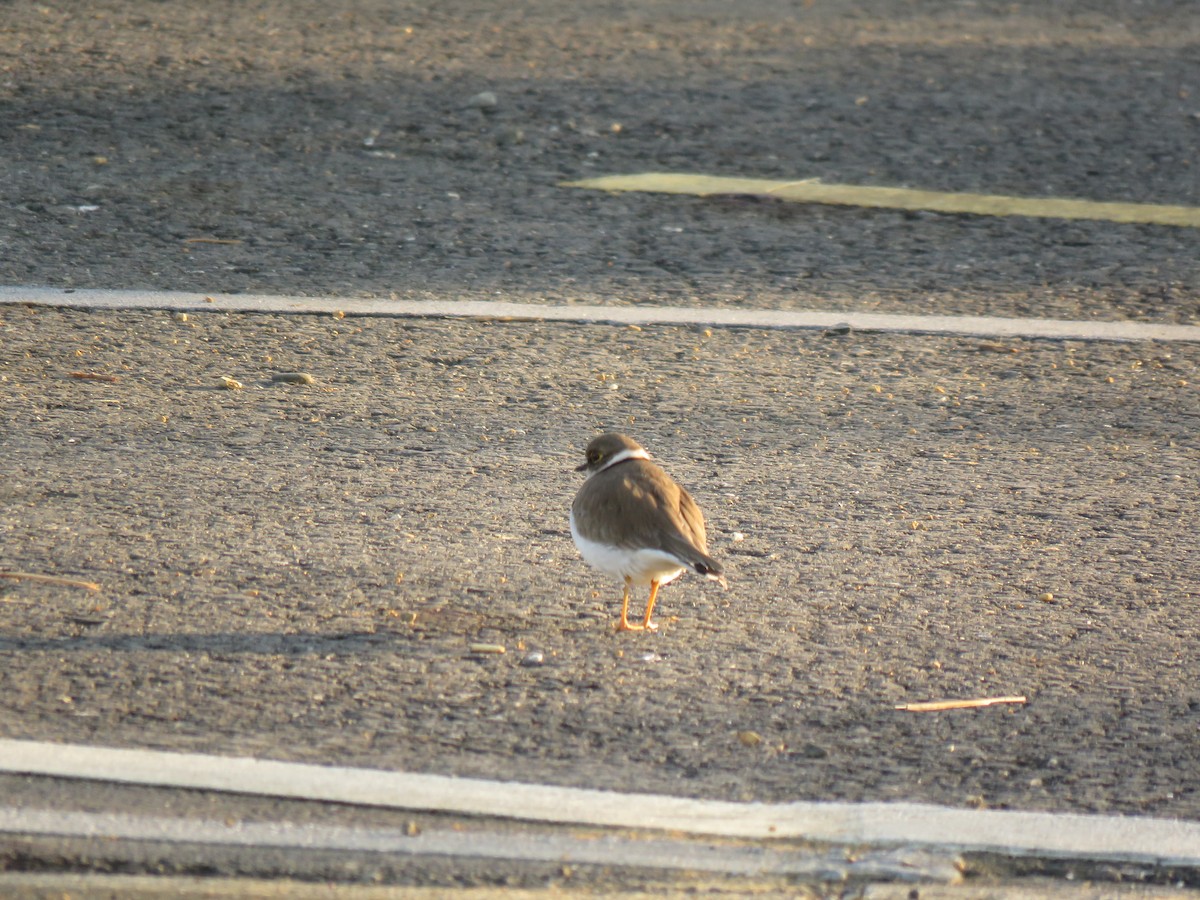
pixel 690 514
pixel 691 545
pixel 666 516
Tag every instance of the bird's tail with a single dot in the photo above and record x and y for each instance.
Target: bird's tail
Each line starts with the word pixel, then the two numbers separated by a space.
pixel 710 568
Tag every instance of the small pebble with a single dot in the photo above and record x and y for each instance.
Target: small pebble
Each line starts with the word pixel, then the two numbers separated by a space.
pixel 534 658
pixel 749 738
pixel 510 136
pixel 1047 597
pixel 483 100
pixel 230 384
pixel 293 378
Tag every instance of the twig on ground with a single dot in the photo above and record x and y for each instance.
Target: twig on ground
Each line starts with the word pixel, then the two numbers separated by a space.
pixel 937 705
pixel 51 579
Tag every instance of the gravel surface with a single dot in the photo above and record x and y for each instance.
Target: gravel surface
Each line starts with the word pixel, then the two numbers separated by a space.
pixel 298 571
pixel 308 147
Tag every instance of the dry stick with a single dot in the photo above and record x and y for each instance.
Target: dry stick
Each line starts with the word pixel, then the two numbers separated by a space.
pixel 51 579
pixel 936 705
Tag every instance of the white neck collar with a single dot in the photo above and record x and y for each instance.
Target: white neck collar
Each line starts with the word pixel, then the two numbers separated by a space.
pixel 639 453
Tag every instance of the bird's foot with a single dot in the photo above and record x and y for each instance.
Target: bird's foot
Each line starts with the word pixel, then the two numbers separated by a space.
pixel 626 625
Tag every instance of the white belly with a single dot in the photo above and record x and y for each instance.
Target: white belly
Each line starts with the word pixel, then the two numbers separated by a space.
pixel 640 566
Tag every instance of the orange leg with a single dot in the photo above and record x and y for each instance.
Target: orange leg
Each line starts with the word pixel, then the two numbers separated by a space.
pixel 624 625
pixel 646 623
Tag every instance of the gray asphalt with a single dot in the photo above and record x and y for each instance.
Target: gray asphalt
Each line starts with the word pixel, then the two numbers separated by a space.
pixel 304 147
pixel 299 571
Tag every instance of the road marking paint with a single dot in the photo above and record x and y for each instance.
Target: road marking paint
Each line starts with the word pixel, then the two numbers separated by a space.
pixel 978 326
pixel 1132 838
pixel 559 848
pixel 814 191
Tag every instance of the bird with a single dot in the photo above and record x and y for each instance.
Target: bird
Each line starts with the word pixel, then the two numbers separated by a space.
pixel 632 520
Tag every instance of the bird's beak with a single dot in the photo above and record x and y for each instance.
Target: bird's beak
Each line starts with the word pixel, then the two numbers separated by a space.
pixel 582 468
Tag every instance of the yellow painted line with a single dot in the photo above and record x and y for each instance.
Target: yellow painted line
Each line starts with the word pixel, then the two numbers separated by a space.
pixel 813 191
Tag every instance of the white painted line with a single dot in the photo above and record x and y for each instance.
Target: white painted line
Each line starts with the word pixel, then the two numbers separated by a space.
pixel 982 326
pixel 1135 838
pixel 602 849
